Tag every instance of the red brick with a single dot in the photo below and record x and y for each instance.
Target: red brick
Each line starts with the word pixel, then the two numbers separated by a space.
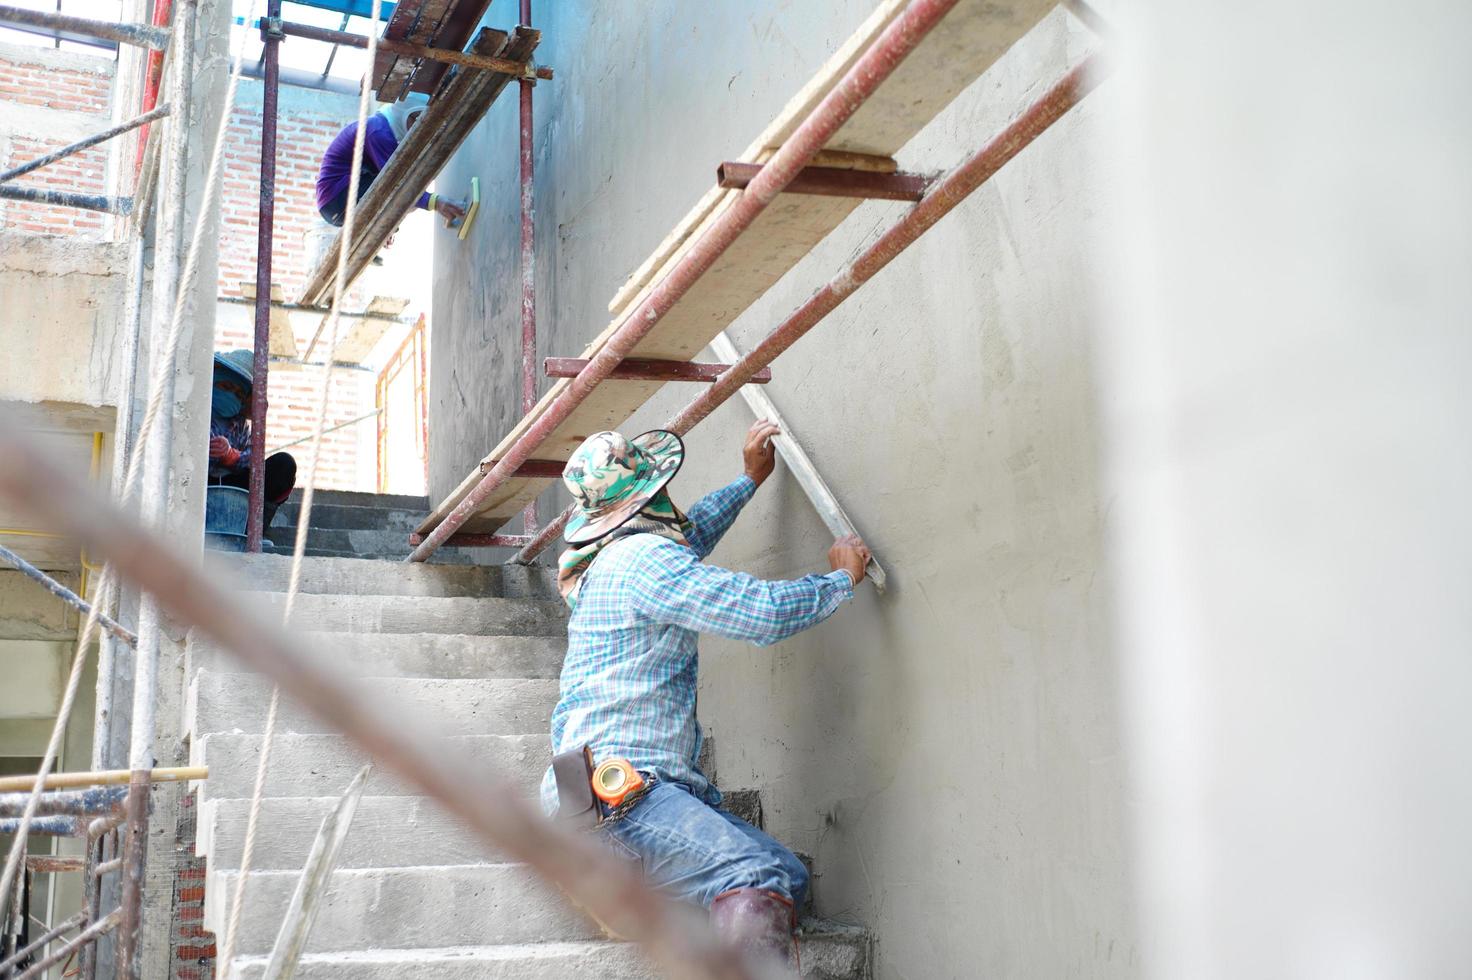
pixel 195 894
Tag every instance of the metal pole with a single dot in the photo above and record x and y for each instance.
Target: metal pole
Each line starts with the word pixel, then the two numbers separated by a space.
pixel 92 140
pixel 66 595
pixel 901 37
pixel 528 265
pixel 89 935
pixel 156 482
pixel 141 35
pixel 503 66
pixel 66 199
pixel 944 195
pixel 266 229
pixel 153 73
pixel 679 940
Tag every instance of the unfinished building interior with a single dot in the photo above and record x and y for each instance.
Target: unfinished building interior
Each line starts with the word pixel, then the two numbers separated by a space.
pixel 1131 338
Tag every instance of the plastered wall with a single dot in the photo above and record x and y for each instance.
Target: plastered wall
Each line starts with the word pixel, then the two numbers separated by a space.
pixel 948 752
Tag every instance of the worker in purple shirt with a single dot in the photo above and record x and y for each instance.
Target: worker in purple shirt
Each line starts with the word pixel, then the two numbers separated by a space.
pixel 386 129
pixel 230 457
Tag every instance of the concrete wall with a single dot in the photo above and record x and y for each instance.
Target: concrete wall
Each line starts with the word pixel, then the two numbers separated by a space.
pixel 948 752
pixel 63 300
pixel 1286 431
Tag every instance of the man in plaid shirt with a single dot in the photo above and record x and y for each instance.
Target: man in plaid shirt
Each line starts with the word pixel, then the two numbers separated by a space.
pixel 641 594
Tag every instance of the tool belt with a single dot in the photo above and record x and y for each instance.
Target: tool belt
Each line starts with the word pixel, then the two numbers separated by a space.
pixel 581 786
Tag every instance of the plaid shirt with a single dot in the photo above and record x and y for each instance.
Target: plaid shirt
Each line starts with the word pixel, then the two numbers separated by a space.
pixel 628 681
pixel 236 432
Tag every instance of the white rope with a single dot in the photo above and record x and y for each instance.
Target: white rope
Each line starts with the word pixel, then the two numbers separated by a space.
pixel 164 364
pixel 252 824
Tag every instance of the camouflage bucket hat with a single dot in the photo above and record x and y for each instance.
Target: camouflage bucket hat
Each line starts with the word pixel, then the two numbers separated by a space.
pixel 611 479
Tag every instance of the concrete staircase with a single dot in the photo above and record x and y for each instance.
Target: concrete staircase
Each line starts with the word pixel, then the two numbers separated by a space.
pixel 474 651
pixel 358 525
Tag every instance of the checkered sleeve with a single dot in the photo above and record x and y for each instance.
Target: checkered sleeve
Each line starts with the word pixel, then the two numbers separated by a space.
pixel 713 514
pixel 676 589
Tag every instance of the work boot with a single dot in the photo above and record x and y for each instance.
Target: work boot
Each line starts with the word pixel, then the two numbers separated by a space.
pixel 757 922
pixel 268 514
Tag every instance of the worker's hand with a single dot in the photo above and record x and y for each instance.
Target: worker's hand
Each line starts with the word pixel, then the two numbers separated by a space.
pixel 219 447
pixel 449 210
pixel 850 554
pixel 759 455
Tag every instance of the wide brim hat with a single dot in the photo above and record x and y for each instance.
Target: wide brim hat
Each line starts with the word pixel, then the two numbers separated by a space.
pixel 238 365
pixel 611 479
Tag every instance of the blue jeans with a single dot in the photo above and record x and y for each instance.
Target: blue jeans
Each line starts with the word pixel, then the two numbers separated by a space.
pixel 694 852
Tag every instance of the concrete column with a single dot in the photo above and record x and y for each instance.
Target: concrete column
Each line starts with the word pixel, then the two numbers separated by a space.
pixel 1287 457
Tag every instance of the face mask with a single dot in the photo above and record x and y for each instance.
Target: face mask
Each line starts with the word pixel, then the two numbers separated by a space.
pixel 225 404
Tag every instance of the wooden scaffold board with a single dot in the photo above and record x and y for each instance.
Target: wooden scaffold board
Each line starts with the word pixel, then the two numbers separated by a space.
pixel 963 46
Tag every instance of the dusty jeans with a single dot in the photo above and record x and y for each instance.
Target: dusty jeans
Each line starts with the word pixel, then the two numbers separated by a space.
pixel 693 852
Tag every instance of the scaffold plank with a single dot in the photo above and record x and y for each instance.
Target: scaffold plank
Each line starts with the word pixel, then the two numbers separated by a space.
pixel 451 115
pixel 966 43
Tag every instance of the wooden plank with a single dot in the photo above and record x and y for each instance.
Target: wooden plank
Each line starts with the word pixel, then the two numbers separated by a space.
pixel 637 369
pixel 396 83
pixel 970 39
pixel 443 127
pixel 397 28
pixel 455 30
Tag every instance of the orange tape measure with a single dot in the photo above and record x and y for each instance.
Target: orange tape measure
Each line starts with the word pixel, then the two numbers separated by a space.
pixel 615 779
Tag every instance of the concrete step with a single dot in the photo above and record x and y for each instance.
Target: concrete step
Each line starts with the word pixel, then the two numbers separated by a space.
pixel 222 702
pixel 420 614
pixel 349 517
pixel 411 654
pixel 828 952
pixel 404 908
pixel 387 832
pixel 338 576
pixel 377 541
pixel 358 498
pixel 323 765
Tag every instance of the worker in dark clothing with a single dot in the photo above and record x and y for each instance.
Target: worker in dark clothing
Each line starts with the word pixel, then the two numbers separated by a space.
pixel 386 129
pixel 230 458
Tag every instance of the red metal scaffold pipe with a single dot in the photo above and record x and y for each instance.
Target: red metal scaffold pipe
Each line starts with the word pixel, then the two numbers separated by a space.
pixel 868 73
pixel 942 197
pixel 265 231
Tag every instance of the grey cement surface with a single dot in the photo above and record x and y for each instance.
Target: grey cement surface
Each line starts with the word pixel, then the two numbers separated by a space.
pixel 421 614
pixel 323 765
pixel 949 752
pixel 413 655
pixel 829 952
pixel 399 908
pixel 220 702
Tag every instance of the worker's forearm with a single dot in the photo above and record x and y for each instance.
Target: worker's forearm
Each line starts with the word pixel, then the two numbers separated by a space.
pixel 713 514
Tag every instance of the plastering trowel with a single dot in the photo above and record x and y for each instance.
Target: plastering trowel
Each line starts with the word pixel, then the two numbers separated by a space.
pixel 471 205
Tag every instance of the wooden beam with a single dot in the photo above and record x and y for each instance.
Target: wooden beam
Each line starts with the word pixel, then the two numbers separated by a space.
pixel 639 369
pixel 534 469
pixel 831 182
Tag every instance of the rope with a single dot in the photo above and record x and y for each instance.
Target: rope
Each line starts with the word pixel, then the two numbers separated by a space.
pixel 107 584
pixel 237 904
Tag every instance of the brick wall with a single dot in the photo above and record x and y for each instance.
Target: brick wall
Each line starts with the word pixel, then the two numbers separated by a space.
pixel 192 949
pixel 49 98
pixel 306 123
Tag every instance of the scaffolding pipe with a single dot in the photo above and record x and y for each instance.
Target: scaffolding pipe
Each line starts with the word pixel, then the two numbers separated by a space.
pixel 82 144
pixel 153 73
pixel 140 35
pixel 67 199
pixel 943 196
pixel 66 595
pixel 88 802
pixel 901 37
pixel 265 230
pixel 504 66
pixel 8 964
pixel 88 935
pixel 528 265
pixel 156 479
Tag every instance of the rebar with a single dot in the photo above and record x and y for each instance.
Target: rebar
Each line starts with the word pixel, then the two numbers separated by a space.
pixel 67 199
